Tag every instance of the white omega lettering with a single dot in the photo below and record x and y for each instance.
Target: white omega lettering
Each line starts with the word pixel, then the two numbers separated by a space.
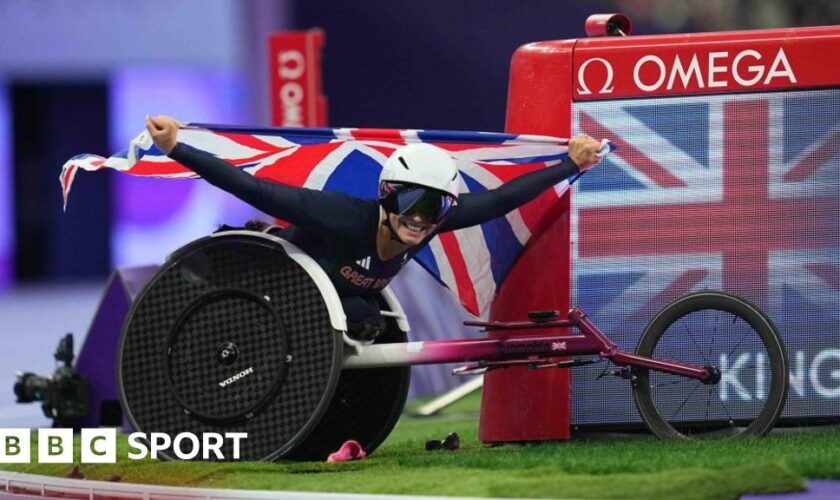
pixel 291 95
pixel 637 69
pixel 583 89
pixel 713 69
pixel 756 70
pixel 291 64
pixel 746 69
pixel 685 74
pixel 775 72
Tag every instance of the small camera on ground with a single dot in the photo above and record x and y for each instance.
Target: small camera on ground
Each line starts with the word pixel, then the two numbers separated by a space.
pixel 64 395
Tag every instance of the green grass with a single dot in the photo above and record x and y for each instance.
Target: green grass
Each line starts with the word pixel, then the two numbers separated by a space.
pixel 618 467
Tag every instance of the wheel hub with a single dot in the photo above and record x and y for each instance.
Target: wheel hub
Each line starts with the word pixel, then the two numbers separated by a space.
pixel 714 375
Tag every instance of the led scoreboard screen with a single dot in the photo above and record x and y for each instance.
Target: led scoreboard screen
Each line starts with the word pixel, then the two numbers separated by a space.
pixel 727 176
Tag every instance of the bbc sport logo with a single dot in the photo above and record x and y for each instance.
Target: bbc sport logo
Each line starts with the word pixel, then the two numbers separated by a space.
pixel 99 446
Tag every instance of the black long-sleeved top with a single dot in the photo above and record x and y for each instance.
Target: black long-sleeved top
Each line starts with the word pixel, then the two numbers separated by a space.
pixel 339 231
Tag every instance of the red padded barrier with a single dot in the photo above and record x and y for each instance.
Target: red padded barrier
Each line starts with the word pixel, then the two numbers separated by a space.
pixel 518 404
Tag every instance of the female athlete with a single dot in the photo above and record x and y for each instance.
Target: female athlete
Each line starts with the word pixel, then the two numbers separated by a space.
pixel 362 244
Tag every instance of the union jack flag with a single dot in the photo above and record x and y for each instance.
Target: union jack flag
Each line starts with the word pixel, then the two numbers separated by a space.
pixel 471 262
pixel 732 192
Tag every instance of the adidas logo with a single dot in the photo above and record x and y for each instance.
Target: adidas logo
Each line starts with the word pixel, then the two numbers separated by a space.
pixel 364 262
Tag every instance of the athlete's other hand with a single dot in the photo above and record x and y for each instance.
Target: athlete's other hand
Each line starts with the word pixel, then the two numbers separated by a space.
pixel 583 150
pixel 164 131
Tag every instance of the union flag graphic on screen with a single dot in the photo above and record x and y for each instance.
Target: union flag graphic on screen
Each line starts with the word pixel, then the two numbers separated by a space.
pixel 733 192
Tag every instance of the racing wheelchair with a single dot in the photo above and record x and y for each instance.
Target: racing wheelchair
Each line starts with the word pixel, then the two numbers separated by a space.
pixel 241 331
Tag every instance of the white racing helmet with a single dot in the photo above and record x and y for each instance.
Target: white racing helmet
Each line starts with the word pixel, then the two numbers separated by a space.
pixel 419 178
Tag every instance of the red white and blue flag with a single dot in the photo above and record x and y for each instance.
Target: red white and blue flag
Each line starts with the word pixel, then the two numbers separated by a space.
pixel 732 192
pixel 471 262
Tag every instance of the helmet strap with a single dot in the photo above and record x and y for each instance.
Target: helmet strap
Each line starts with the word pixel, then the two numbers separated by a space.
pixel 393 233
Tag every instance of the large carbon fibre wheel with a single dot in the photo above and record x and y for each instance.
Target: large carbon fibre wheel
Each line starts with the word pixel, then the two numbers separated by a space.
pixel 728 335
pixel 230 335
pixel 366 406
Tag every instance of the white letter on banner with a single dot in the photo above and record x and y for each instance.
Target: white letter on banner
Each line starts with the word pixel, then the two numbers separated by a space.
pixel 758 71
pixel 781 58
pixel 15 446
pixel 822 357
pixel 685 75
pixel 583 89
pixel 638 68
pixel 236 436
pixel 215 446
pixel 176 445
pixel 291 64
pixel 55 446
pixel 759 376
pixel 797 374
pixel 135 441
pixel 99 446
pixel 291 95
pixel 159 442
pixel 713 70
pixel 730 377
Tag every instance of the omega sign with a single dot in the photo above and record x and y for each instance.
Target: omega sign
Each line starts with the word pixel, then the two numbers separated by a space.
pixel 290 66
pixel 295 66
pixel 695 71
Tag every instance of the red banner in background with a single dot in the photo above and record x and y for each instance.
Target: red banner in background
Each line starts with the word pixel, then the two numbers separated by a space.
pixel 705 63
pixel 295 65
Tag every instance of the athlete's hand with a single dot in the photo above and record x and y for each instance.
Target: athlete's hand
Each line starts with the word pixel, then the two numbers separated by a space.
pixel 583 150
pixel 164 131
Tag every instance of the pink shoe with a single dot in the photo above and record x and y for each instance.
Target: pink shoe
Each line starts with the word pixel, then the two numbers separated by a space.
pixel 350 450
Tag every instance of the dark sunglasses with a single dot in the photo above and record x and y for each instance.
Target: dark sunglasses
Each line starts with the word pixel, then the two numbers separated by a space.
pixel 409 199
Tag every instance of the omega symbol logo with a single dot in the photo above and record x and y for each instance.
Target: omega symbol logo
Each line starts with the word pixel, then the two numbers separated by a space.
pixel 583 89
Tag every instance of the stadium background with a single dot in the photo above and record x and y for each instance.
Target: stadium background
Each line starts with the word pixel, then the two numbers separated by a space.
pixel 78 77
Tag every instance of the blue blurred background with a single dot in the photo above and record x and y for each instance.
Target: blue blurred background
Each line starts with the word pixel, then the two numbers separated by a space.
pixel 79 76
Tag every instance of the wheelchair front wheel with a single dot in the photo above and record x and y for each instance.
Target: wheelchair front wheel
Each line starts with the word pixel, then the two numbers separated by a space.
pixel 729 335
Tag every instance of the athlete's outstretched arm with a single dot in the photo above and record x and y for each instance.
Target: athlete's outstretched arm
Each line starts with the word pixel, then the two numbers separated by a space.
pixel 475 208
pixel 292 204
pixel 313 209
